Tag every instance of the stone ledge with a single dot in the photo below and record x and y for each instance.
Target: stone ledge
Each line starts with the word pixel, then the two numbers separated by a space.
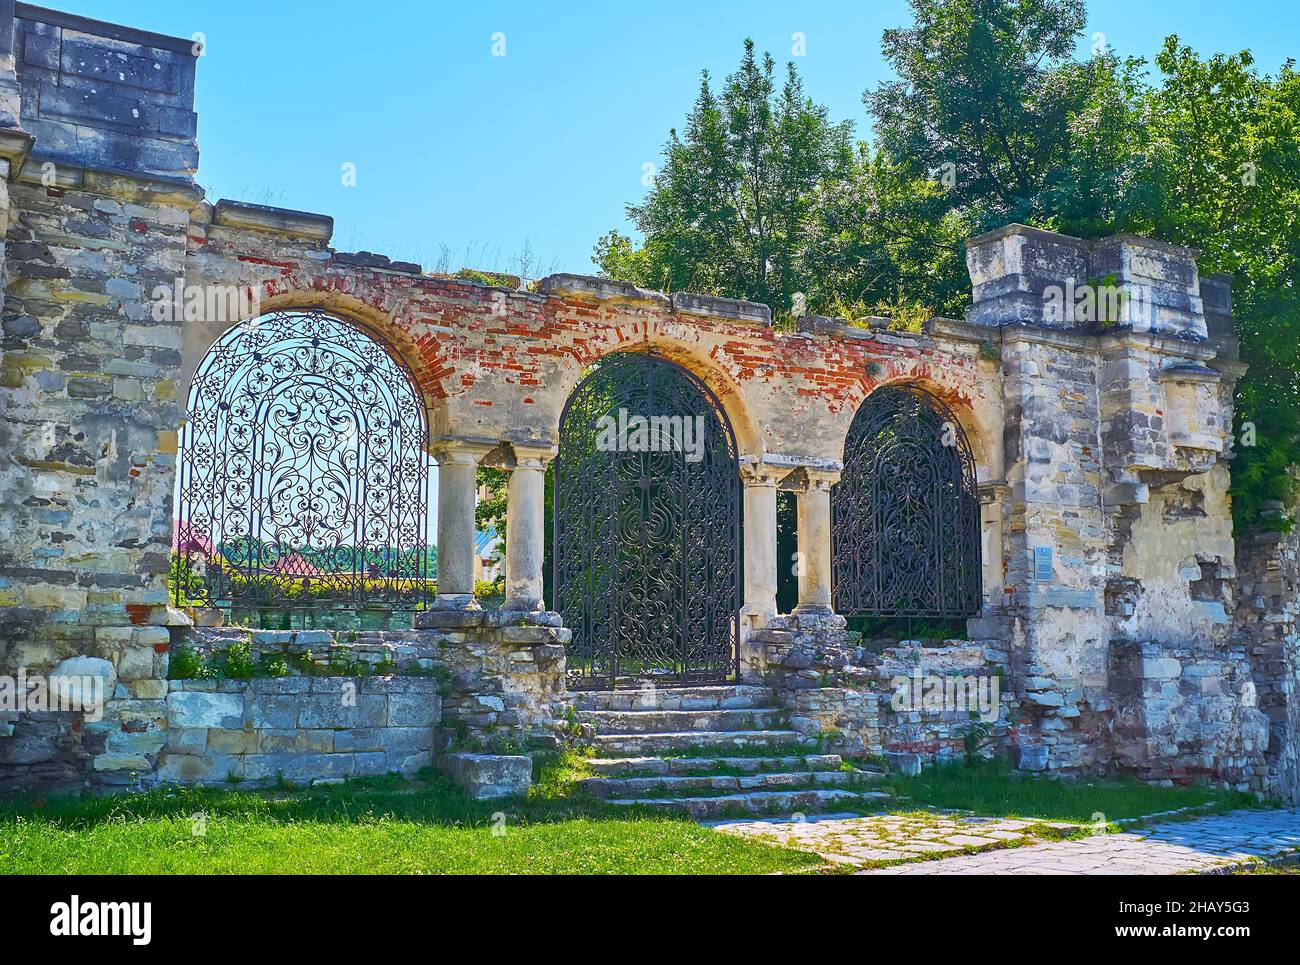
pixel 15 146
pixel 261 217
pixel 133 186
pixel 449 619
pixel 604 289
pixel 368 259
pixel 102 28
pixel 734 309
pixel 1188 372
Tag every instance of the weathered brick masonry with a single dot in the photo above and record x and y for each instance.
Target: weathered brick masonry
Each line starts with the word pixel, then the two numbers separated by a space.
pixel 1100 452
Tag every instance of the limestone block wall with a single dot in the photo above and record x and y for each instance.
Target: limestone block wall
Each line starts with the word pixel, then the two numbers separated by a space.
pixel 1100 439
pixel 935 728
pixel 375 651
pixel 301 729
pixel 505 672
pixel 1117 521
pixel 1184 714
pixel 1268 615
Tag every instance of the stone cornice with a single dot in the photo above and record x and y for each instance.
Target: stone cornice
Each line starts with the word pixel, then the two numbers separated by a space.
pixel 15 146
pixel 1053 237
pixel 593 288
pixel 102 28
pixel 122 185
pixel 783 463
pixel 730 309
pixel 1107 343
pixel 282 221
pixel 960 330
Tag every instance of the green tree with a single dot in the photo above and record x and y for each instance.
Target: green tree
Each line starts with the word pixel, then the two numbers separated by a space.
pixel 993 119
pixel 1226 174
pixel 730 208
pixel 983 99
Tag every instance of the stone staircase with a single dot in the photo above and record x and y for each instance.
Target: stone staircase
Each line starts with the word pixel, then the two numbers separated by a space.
pixel 713 752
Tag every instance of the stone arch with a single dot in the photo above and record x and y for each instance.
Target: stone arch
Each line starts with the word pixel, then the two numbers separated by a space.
pixel 907 524
pixel 303 471
pixel 380 324
pixel 979 428
pixel 647 538
pixel 749 439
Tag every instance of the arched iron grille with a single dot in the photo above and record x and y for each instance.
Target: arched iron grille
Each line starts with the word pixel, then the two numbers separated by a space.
pixel 906 517
pixel 303 474
pixel 647 543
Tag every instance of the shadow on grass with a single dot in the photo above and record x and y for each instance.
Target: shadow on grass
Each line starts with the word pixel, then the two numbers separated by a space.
pixel 993 787
pixel 429 798
pixel 986 787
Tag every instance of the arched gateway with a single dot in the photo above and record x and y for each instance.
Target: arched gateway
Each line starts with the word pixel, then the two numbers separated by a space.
pixel 303 474
pixel 647 527
pixel 906 516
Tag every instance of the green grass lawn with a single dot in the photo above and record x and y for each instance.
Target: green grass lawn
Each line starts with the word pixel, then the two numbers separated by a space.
pixel 390 825
pixel 993 787
pixel 380 825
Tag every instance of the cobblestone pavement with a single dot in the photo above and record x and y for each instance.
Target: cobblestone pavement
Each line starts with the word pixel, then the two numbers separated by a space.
pixel 851 839
pixel 1174 847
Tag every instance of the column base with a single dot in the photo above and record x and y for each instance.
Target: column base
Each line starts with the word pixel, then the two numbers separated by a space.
pixel 454 601
pixel 813 609
pixel 523 606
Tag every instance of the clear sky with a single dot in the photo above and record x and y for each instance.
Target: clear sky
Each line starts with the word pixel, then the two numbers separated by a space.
pixel 542 147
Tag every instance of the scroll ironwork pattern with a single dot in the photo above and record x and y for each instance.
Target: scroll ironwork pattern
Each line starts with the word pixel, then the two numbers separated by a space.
pixel 647 543
pixel 303 475
pixel 906 518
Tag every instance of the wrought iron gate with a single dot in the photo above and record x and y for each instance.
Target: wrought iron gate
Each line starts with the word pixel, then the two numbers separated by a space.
pixel 303 474
pixel 647 527
pixel 906 517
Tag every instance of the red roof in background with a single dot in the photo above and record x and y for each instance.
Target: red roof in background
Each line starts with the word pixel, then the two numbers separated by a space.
pixel 295 565
pixel 188 538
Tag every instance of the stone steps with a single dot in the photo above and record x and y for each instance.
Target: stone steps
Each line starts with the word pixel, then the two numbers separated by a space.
pixel 676 721
pixel 811 801
pixel 718 742
pixel 712 785
pixel 653 766
pixel 721 697
pixel 712 752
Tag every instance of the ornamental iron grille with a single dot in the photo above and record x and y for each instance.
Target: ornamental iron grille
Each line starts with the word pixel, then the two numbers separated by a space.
pixel 647 527
pixel 906 516
pixel 303 481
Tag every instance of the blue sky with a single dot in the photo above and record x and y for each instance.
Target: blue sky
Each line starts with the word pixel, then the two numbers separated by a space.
pixel 544 146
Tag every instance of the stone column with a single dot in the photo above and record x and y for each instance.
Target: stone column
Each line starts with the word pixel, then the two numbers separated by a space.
pixel 525 530
pixel 814 514
pixel 457 463
pixel 760 545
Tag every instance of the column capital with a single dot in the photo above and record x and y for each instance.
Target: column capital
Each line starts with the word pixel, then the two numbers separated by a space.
pixel 459 452
pixel 760 474
pixel 511 455
pixel 805 479
pixel 534 457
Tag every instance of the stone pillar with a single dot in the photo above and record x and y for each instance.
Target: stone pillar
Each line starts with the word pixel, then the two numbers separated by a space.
pixel 525 529
pixel 760 544
pixel 457 464
pixel 760 566
pixel 814 516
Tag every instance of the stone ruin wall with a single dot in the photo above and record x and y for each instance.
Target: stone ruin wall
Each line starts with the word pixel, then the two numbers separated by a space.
pixel 1105 444
pixel 1268 625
